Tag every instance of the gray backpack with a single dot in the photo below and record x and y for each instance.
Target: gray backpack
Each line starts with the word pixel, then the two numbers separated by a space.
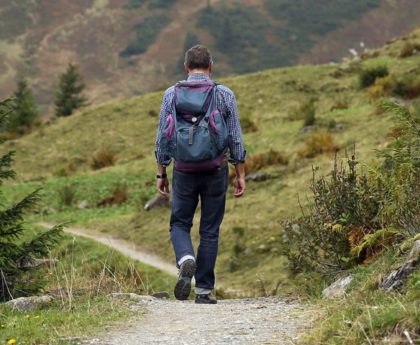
pixel 196 135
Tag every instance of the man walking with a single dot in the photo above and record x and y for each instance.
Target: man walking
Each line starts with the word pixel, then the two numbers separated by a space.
pixel 199 128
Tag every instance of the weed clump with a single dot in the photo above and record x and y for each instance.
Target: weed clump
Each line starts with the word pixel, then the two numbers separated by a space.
pixel 382 87
pixel 340 103
pixel 118 197
pixel 408 87
pixel 65 170
pixel 248 124
pixel 304 111
pixel 67 195
pixel 409 49
pixel 318 143
pixel 367 77
pixel 103 158
pixel 258 161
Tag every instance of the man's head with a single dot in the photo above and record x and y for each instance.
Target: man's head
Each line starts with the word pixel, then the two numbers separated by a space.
pixel 198 59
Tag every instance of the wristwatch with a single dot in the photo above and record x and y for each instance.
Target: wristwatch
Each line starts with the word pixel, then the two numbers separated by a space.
pixel 162 176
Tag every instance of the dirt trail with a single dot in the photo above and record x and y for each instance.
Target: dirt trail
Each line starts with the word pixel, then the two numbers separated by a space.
pixel 127 248
pixel 230 322
pixel 166 322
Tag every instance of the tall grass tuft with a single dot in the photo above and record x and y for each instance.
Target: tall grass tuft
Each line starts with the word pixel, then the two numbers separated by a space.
pixel 103 158
pixel 318 143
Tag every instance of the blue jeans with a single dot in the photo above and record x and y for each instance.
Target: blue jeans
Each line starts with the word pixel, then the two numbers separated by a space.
pixel 187 188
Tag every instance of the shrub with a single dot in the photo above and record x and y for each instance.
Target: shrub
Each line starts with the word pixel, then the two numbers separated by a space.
pixel 18 276
pixel 367 77
pixel 401 170
pixel 408 87
pixel 355 215
pixel 340 103
pixel 317 143
pixel 67 195
pixel 118 197
pixel 409 49
pixel 304 111
pixel 345 210
pixel 145 34
pixel 248 125
pixel 102 158
pixel 258 161
pixel 65 170
pixel 382 87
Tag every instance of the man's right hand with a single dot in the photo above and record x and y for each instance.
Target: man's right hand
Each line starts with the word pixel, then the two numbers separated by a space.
pixel 162 185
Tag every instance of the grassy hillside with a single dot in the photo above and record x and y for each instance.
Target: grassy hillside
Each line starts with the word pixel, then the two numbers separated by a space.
pixel 83 277
pixel 129 47
pixel 59 156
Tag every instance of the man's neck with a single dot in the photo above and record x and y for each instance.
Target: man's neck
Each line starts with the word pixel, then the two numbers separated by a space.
pixel 199 71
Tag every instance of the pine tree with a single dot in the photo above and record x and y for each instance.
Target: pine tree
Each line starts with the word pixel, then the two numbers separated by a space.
pixel 69 95
pixel 17 275
pixel 25 109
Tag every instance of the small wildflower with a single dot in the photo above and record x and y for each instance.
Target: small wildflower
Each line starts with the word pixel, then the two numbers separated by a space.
pixel 36 317
pixel 27 316
pixel 11 341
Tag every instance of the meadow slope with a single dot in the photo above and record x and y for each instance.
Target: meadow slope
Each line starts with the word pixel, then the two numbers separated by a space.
pixel 58 157
pixel 114 40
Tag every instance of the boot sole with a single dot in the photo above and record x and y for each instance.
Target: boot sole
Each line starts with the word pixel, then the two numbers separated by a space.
pixel 182 288
pixel 206 302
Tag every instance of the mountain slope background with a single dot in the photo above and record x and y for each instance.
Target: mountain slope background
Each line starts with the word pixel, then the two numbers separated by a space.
pixel 59 158
pixel 129 47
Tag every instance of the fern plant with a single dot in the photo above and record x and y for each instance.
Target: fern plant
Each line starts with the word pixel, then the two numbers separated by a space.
pixel 355 215
pixel 17 276
pixel 401 169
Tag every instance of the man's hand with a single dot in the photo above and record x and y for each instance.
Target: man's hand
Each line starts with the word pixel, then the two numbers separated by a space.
pixel 239 187
pixel 162 185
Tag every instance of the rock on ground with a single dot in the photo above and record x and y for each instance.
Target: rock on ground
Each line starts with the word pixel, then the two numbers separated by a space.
pixel 338 288
pixel 29 303
pixel 245 321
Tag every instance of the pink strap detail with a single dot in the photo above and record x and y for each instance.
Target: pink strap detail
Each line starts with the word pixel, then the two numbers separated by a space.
pixel 171 126
pixel 212 121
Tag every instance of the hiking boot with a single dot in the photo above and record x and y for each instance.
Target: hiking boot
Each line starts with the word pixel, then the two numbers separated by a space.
pixel 205 299
pixel 183 284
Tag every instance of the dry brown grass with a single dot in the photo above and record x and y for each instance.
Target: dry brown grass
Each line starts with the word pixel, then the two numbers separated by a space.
pixel 381 88
pixel 409 49
pixel 318 143
pixel 261 160
pixel 103 158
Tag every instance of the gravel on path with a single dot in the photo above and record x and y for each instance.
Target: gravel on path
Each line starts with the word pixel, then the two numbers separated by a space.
pixel 240 321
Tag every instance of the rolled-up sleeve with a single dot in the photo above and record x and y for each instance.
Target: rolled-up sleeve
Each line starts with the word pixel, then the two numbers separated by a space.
pixel 163 158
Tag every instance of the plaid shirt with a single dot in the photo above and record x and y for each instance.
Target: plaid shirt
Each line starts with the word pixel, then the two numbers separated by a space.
pixel 226 103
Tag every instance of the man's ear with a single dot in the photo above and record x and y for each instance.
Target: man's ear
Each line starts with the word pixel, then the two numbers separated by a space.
pixel 211 67
pixel 186 69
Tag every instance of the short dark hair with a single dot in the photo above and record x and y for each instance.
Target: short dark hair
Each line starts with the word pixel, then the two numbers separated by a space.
pixel 198 57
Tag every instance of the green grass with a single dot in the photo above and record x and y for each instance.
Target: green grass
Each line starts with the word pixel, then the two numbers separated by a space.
pixel 127 128
pixel 249 264
pixel 89 271
pixel 368 314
